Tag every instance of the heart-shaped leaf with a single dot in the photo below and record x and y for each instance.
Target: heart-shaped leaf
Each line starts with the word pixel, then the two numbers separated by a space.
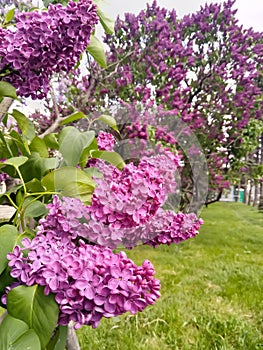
pixel 25 125
pixel 16 162
pixel 16 335
pixel 39 145
pixel 96 50
pixel 8 237
pixel 36 167
pixel 58 342
pixel 72 142
pixel 110 157
pixel 35 209
pixel 72 118
pixel 7 90
pixel 109 120
pixel 70 182
pixel 106 22
pixel 38 311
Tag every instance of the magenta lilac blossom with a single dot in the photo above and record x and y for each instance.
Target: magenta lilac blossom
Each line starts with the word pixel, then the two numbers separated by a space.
pixel 89 282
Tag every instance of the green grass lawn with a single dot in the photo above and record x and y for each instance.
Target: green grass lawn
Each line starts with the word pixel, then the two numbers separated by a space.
pixel 212 291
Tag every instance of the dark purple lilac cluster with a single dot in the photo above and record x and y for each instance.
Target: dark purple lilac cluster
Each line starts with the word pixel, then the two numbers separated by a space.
pixel 45 42
pixel 89 282
pixel 162 134
pixel 125 77
pixel 137 130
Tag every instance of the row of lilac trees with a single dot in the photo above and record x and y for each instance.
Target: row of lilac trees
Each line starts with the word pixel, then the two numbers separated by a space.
pixel 204 69
pixel 74 198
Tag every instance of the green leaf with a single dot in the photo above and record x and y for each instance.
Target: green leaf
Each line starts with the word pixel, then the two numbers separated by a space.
pixel 39 145
pixel 72 142
pixel 94 172
pixel 6 151
pixel 70 182
pixel 8 146
pixel 58 342
pixel 96 50
pixel 106 22
pixel 25 125
pixel 109 120
pixel 47 2
pixel 85 155
pixel 16 335
pixel 73 117
pixel 38 311
pixel 51 141
pixel 20 142
pixel 7 90
pixel 36 209
pixel 9 15
pixel 19 197
pixel 110 157
pixel 36 167
pixel 34 186
pixel 16 162
pixel 8 237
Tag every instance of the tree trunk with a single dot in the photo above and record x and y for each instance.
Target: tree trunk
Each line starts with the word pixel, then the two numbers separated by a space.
pixel 72 340
pixel 255 201
pixel 4 106
pixel 250 192
pixel 260 205
pixel 217 199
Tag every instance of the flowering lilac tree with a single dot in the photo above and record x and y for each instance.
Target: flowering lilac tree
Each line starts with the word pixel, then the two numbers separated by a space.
pixel 203 68
pixel 75 199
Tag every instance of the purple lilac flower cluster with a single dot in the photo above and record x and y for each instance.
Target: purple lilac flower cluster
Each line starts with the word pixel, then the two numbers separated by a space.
pixel 168 227
pixel 162 134
pixel 137 130
pixel 105 141
pixel 128 198
pixel 89 282
pixel 74 219
pixel 46 42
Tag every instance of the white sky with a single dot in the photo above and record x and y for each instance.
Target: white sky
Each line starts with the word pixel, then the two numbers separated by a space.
pixel 250 12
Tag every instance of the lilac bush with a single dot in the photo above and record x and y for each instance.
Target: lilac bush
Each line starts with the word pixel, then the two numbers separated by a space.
pixel 75 199
pixel 205 68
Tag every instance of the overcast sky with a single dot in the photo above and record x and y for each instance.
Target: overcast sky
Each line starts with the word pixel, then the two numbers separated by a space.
pixel 250 13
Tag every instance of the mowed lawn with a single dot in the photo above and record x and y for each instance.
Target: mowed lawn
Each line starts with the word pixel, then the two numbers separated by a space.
pixel 212 291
